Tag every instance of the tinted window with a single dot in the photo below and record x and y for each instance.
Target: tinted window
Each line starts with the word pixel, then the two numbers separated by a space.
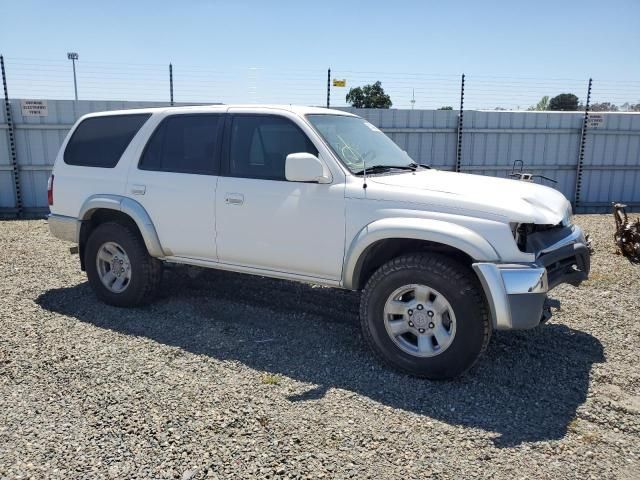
pixel 100 141
pixel 260 145
pixel 184 144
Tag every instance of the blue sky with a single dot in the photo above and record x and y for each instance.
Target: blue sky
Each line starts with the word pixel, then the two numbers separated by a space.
pixel 276 50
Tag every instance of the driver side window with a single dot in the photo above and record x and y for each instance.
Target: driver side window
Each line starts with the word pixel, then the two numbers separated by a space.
pixel 259 146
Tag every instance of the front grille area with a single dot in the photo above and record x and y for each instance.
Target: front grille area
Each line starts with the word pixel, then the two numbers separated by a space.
pixel 568 264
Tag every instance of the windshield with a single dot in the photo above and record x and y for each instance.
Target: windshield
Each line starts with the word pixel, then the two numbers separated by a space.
pixel 359 144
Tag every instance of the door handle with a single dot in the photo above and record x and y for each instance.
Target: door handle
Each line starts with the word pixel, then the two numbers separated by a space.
pixel 138 189
pixel 234 199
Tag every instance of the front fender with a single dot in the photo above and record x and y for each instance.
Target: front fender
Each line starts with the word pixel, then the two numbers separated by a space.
pixel 131 208
pixel 436 231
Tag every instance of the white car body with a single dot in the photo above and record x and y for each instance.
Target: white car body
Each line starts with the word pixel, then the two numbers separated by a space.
pixel 321 231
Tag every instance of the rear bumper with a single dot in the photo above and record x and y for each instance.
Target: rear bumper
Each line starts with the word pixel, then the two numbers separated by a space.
pixel 516 293
pixel 63 227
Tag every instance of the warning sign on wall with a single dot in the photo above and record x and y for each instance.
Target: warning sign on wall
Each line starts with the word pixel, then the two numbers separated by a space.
pixel 595 121
pixel 34 108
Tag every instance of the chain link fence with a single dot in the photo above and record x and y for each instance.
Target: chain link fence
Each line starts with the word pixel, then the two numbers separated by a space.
pixel 42 78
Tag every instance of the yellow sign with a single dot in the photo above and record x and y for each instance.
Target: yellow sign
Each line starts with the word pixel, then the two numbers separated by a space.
pixel 339 83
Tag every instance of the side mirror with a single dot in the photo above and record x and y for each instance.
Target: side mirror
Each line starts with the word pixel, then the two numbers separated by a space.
pixel 305 167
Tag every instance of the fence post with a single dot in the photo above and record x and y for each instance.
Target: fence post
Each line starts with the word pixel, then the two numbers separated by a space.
pixel 328 88
pixel 460 123
pixel 583 140
pixel 171 83
pixel 12 142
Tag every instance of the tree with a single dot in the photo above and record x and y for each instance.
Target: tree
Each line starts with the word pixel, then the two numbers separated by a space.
pixel 541 106
pixel 567 102
pixel 369 96
pixel 604 107
pixel 628 107
pixel 446 108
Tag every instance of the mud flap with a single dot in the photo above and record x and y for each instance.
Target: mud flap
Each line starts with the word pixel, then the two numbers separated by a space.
pixel 549 303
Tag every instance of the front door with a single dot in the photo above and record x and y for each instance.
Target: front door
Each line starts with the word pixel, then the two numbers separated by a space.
pixel 175 181
pixel 264 221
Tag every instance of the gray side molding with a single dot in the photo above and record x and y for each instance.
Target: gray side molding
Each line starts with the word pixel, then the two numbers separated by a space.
pixel 436 231
pixel 132 209
pixel 495 293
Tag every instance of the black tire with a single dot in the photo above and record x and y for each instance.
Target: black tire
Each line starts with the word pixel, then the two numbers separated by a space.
pixel 460 287
pixel 146 271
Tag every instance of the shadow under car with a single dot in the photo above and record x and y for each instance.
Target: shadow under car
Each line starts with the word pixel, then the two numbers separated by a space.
pixel 526 387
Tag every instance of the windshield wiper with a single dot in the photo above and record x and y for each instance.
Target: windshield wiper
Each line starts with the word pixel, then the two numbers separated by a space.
pixel 415 165
pixel 386 168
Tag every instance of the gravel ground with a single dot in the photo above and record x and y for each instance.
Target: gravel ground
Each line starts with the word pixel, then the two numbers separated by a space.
pixel 237 376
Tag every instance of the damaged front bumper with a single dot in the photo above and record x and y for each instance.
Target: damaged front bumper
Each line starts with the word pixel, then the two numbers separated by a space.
pixel 517 293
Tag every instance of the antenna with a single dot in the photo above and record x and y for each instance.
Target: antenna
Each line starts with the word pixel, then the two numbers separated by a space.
pixel 364 173
pixel 413 98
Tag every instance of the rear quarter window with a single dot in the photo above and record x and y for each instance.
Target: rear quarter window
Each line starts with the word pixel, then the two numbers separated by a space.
pixel 101 141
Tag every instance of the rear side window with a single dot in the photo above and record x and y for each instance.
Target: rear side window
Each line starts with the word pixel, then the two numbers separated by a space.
pixel 184 144
pixel 260 144
pixel 101 141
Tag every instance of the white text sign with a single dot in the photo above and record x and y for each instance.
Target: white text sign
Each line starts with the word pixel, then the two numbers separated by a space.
pixel 34 108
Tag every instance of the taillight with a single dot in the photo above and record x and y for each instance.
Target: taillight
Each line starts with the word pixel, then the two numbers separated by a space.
pixel 50 190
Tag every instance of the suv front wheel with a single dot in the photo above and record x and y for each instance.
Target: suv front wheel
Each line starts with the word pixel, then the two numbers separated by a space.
pixel 120 270
pixel 424 314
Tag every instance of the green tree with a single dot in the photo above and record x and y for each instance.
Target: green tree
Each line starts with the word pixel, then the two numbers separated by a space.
pixel 541 106
pixel 446 108
pixel 604 107
pixel 567 102
pixel 369 96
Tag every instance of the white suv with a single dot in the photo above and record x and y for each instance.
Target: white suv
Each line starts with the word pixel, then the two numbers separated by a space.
pixel 318 196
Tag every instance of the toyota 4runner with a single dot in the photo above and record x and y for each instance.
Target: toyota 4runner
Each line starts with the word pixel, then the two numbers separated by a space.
pixel 319 196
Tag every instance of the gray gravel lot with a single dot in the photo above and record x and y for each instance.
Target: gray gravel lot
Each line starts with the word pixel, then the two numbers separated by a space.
pixel 236 376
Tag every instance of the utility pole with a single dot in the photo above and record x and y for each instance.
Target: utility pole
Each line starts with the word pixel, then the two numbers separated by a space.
pixel 73 56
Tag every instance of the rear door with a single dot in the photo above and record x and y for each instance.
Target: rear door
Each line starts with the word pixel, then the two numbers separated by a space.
pixel 175 181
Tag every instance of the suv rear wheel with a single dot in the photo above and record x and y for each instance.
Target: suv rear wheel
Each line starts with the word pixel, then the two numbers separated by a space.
pixel 119 268
pixel 424 314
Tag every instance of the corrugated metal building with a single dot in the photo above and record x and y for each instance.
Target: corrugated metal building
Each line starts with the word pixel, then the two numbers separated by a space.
pixel 547 142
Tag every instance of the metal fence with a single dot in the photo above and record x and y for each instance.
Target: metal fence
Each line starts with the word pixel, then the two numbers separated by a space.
pixel 549 144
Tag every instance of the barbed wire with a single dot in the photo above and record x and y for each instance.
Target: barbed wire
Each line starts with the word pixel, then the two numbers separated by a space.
pixel 100 80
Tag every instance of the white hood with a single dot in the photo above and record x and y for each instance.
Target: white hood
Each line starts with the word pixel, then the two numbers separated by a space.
pixel 474 195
